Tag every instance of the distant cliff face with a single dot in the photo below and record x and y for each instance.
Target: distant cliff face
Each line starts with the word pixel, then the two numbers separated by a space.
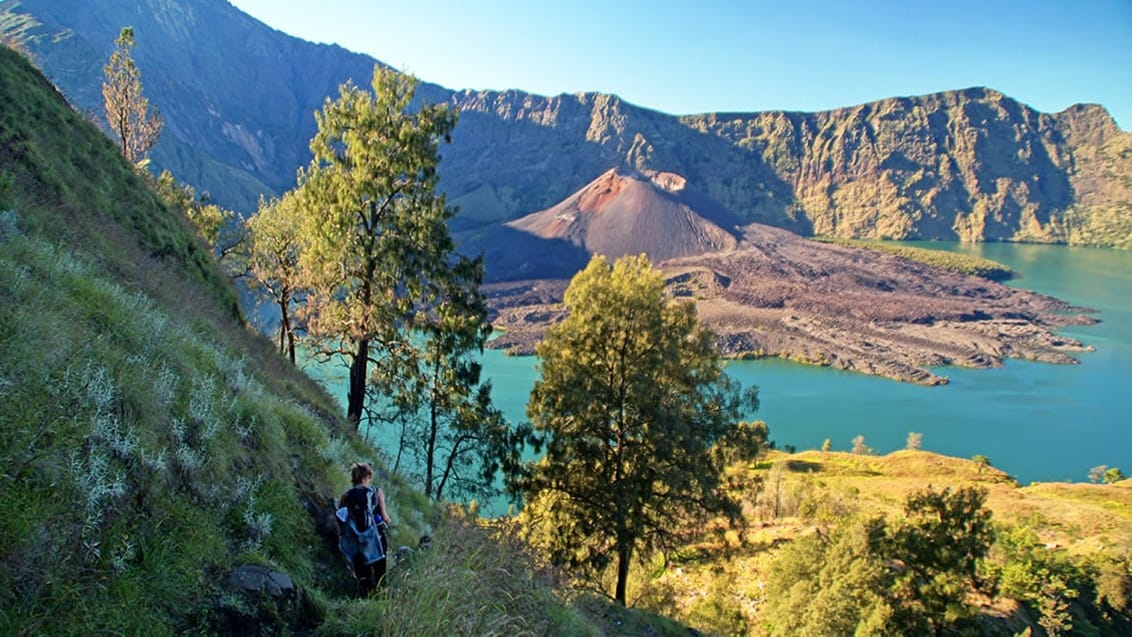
pixel 972 165
pixel 238 99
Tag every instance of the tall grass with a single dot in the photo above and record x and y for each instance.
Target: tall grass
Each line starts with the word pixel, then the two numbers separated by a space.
pixel 467 583
pixel 128 434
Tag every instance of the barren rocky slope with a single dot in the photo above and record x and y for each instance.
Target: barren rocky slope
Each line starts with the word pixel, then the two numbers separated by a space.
pixel 652 209
pixel 777 294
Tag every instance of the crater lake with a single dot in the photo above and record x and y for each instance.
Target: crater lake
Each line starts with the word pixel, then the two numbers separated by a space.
pixel 1038 422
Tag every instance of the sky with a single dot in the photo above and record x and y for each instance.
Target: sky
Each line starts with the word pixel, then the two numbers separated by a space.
pixel 734 55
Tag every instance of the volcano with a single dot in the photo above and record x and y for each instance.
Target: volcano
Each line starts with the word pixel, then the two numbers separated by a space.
pixel 628 212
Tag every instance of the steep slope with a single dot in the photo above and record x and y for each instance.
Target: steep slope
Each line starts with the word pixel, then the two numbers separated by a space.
pixel 163 470
pixel 149 443
pixel 237 96
pixel 969 164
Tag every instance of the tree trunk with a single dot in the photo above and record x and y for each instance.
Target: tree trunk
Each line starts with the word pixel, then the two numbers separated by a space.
pixel 452 455
pixel 624 556
pixel 430 451
pixel 356 394
pixel 285 329
pixel 434 429
pixel 433 426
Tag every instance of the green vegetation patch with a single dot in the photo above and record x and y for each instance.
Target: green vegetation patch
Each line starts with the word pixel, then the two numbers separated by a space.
pixel 141 457
pixel 73 183
pixel 961 263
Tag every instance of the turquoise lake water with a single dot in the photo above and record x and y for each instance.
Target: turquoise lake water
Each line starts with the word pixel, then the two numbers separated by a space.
pixel 1036 421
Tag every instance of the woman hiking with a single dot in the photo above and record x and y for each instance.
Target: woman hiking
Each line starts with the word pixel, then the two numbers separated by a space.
pixel 362 520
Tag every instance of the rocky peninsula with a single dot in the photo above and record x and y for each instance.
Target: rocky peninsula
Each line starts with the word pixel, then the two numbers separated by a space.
pixel 766 291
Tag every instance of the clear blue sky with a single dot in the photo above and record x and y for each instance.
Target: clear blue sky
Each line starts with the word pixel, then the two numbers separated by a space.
pixel 688 57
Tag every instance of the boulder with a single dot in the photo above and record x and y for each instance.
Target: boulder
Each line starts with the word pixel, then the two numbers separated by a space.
pixel 256 600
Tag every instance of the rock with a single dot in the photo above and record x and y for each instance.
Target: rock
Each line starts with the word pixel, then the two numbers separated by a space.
pixel 261 580
pixel 321 510
pixel 405 555
pixel 256 600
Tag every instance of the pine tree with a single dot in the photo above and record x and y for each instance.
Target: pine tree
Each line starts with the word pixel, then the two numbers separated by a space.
pixel 449 424
pixel 633 400
pixel 128 112
pixel 377 236
pixel 274 246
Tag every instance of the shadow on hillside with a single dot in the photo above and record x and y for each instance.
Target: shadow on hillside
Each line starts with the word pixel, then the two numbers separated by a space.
pixel 803 466
pixel 514 255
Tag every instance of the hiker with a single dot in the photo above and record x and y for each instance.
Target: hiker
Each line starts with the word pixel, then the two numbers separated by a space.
pixel 362 520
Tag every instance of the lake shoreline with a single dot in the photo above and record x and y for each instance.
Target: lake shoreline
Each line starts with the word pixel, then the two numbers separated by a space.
pixel 837 306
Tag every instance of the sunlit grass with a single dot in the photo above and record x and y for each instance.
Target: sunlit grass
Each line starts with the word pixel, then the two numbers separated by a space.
pixel 961 263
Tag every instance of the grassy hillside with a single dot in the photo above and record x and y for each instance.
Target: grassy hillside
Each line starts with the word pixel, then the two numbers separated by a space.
pixel 1078 532
pixel 150 442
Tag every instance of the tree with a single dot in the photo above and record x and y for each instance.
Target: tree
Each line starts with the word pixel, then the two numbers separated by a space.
pixel 377 228
pixel 273 250
pixel 827 445
pixel 873 577
pixel 632 400
pixel 774 499
pixel 449 424
pixel 915 441
pixel 939 544
pixel 1096 474
pixel 214 224
pixel 831 583
pixel 1113 475
pixel 1047 580
pixel 128 112
pixel 859 446
pixel 981 462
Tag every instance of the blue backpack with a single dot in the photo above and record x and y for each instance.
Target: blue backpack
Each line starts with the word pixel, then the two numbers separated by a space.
pixel 360 504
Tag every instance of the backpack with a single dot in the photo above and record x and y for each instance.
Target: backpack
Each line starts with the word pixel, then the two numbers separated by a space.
pixel 360 506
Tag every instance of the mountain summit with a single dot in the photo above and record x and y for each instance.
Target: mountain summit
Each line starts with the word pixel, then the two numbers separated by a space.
pixel 629 212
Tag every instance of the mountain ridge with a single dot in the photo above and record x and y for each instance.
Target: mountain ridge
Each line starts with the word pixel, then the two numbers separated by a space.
pixel 970 164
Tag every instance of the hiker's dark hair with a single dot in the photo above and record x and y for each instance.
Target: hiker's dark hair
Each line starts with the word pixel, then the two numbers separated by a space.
pixel 360 471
